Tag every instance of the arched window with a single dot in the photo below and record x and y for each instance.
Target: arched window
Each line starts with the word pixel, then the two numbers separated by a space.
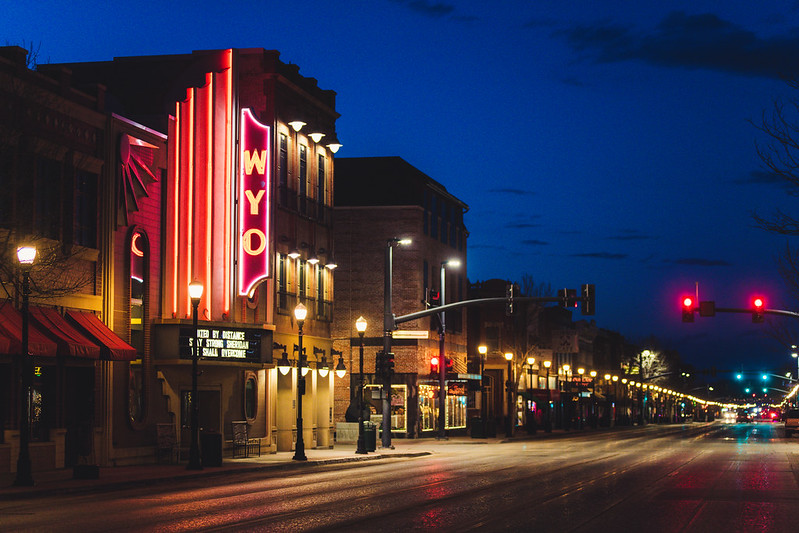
pixel 250 396
pixel 139 248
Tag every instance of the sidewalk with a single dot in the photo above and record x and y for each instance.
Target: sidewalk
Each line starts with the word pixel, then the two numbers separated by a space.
pixel 54 482
pixel 61 481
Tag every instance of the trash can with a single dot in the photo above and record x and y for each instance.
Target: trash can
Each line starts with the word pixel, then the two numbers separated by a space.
pixel 211 449
pixel 476 428
pixel 370 436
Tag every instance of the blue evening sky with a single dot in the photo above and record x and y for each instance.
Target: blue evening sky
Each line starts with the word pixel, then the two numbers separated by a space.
pixel 602 141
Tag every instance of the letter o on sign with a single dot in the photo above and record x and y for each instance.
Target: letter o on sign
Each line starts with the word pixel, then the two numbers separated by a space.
pixel 246 241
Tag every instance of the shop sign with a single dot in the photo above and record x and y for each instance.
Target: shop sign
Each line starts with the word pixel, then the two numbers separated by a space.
pixel 227 344
pixel 253 203
pixel 456 389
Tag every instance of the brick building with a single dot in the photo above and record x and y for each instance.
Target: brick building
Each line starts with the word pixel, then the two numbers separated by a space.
pixel 82 185
pixel 378 199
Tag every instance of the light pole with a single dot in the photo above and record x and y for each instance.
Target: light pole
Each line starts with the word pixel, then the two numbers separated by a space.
pixel 360 326
pixel 24 477
pixel 615 380
pixel 593 398
pixel 483 350
pixel 566 408
pixel 195 461
pixel 442 366
pixel 509 423
pixel 580 372
pixel 300 312
pixel 531 414
pixel 548 414
pixel 388 328
pixel 795 355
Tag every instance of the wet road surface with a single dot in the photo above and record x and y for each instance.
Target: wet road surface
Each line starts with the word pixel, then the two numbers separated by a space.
pixel 735 477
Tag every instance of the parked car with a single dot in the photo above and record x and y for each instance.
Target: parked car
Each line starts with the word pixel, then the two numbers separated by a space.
pixel 791 422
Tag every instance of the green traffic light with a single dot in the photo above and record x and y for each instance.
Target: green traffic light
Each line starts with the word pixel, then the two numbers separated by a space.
pixel 739 376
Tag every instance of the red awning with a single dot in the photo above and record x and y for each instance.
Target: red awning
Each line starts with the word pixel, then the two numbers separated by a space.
pixel 5 343
pixel 11 327
pixel 112 347
pixel 70 341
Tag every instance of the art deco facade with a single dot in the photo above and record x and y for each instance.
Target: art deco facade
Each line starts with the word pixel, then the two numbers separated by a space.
pixel 247 212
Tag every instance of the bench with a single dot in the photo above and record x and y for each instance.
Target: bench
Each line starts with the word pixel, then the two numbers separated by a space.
pixel 166 441
pixel 242 441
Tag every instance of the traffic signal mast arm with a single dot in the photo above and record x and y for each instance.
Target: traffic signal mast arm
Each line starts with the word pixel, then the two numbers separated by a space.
pixel 780 312
pixel 479 301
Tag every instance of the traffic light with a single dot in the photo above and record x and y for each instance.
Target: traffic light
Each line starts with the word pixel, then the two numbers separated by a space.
pixel 687 309
pixel 388 364
pixel 434 365
pixel 379 363
pixel 449 365
pixel 509 298
pixel 589 299
pixel 434 299
pixel 758 307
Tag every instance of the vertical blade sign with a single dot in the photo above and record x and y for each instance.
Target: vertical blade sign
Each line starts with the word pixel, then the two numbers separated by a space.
pixel 253 203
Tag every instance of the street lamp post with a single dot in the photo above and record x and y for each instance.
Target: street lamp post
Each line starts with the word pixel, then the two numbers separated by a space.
pixel 483 350
pixel 300 312
pixel 24 477
pixel 388 328
pixel 509 423
pixel 566 408
pixel 795 355
pixel 360 326
pixel 442 358
pixel 195 461
pixel 593 399
pixel 547 413
pixel 580 372
pixel 531 414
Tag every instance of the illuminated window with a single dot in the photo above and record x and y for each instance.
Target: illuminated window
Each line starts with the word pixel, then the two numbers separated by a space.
pixel 138 264
pixel 320 183
pixel 283 169
pixel 139 249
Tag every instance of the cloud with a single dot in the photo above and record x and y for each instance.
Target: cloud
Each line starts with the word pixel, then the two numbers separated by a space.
pixel 535 242
pixel 631 235
pixel 762 177
pixel 431 9
pixel 696 261
pixel 601 255
pixel 521 225
pixel 690 41
pixel 514 192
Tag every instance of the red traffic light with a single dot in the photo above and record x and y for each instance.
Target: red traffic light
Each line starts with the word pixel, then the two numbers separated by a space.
pixel 758 306
pixel 434 365
pixel 687 309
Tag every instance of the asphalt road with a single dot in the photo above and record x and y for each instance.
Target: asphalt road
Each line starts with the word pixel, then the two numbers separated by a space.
pixel 737 477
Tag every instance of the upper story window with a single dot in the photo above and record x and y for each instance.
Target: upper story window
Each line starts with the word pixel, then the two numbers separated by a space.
pixel 303 171
pixel 47 198
pixel 320 182
pixel 85 210
pixel 283 168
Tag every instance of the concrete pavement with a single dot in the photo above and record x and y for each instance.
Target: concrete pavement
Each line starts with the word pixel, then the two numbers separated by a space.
pixel 61 481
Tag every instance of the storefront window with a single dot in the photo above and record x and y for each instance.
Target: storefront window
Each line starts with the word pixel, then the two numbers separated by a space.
pixel 135 396
pixel 455 409
pixel 399 406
